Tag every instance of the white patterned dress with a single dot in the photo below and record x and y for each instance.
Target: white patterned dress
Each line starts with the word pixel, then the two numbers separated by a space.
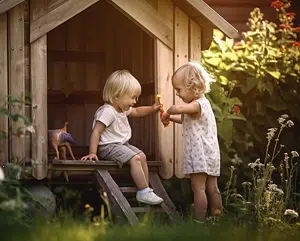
pixel 201 147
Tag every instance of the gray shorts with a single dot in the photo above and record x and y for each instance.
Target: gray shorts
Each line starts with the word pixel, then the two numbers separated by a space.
pixel 120 153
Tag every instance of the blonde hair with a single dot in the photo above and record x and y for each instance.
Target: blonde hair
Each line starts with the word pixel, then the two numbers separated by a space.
pixel 120 83
pixel 196 78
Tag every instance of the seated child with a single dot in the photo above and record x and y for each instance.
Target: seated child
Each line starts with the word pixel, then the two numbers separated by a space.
pixel 111 131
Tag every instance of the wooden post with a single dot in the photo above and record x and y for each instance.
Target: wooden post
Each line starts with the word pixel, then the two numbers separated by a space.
pixel 181 57
pixel 194 42
pixel 17 77
pixel 38 63
pixel 4 87
pixel 165 136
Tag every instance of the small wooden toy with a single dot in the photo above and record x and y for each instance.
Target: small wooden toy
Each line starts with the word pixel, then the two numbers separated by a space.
pixel 60 138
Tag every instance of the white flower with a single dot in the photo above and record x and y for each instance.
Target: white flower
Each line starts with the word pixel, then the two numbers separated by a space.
pixel 294 154
pixel 290 212
pixel 30 129
pixel 271 133
pixel 246 184
pixel 290 123
pixel 1 174
pixel 281 120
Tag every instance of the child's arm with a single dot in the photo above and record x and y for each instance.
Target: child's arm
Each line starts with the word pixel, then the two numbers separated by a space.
pixel 166 118
pixel 176 118
pixel 190 109
pixel 94 141
pixel 144 110
pixel 174 113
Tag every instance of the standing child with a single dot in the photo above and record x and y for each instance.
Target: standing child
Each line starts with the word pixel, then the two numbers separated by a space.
pixel 111 131
pixel 201 148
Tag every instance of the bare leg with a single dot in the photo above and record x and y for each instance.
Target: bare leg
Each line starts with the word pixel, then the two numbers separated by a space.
pixel 198 181
pixel 137 172
pixel 214 195
pixel 56 150
pixel 70 150
pixel 143 160
pixel 63 152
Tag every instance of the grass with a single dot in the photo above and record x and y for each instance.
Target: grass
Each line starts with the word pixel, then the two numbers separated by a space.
pixel 70 229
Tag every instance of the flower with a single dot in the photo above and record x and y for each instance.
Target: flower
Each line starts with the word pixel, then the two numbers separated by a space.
pixel 294 154
pixel 295 44
pixel 292 213
pixel 246 184
pixel 276 4
pixel 271 133
pixel 290 123
pixel 217 212
pixel 290 14
pixel 285 26
pixel 297 29
pixel 237 109
pixel 1 174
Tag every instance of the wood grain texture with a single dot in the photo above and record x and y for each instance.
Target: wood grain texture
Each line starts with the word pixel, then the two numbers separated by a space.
pixel 214 17
pixel 6 5
pixel 4 87
pixel 17 77
pixel 120 205
pixel 38 65
pixel 180 58
pixel 57 16
pixel 194 42
pixel 165 135
pixel 145 16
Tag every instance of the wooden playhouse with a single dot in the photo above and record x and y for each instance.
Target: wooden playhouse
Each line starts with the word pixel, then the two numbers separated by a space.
pixel 59 52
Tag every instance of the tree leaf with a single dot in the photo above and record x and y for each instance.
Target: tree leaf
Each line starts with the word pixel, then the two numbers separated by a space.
pixel 223 80
pixel 225 129
pixel 276 74
pixel 213 61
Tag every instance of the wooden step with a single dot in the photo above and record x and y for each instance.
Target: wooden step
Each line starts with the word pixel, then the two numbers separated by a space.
pixel 128 189
pixel 121 206
pixel 147 209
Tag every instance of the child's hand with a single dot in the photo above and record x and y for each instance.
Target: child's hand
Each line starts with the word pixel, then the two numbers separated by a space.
pixel 156 106
pixel 90 157
pixel 165 118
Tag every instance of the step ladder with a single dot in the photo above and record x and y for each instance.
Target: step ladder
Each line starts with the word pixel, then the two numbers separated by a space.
pixel 121 206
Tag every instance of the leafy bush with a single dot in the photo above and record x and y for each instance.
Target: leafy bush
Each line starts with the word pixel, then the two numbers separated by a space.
pixel 263 72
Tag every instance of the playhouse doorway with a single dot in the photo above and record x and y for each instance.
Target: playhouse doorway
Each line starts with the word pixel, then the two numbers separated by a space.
pixel 82 52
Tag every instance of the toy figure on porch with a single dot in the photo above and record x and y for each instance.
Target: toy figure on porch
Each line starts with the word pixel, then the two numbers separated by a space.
pixel 60 138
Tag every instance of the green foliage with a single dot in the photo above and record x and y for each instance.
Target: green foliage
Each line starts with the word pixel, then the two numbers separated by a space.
pixel 24 123
pixel 267 201
pixel 14 198
pixel 260 74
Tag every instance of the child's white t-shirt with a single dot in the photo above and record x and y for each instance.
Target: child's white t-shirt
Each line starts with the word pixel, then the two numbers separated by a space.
pixel 117 128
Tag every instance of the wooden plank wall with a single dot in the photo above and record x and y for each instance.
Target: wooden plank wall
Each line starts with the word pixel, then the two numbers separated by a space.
pixel 180 57
pixel 81 53
pixel 17 77
pixel 27 73
pixel 165 135
pixel 237 12
pixel 4 87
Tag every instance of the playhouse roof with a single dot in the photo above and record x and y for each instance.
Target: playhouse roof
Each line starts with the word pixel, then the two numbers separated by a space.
pixel 201 12
pixel 204 15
